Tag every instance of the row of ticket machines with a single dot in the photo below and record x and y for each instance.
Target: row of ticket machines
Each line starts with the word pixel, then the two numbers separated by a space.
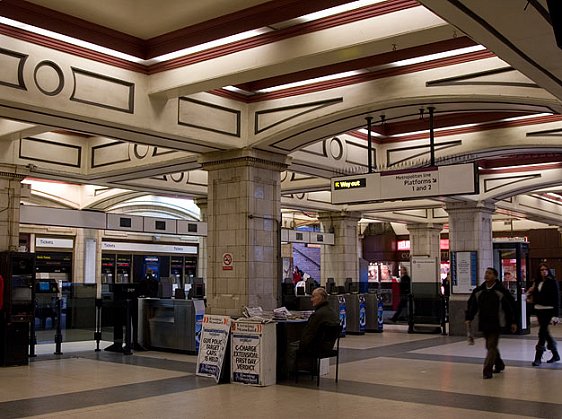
pixel 23 298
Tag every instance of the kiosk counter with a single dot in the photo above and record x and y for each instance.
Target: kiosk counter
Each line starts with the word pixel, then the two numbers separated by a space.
pixel 173 324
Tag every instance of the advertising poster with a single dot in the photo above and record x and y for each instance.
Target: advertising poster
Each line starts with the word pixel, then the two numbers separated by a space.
pixel 362 314
pixel 464 272
pixel 246 353
pixel 199 315
pixel 342 312
pixel 213 343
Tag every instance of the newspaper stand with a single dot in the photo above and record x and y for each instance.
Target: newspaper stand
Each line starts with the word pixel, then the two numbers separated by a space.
pixel 253 348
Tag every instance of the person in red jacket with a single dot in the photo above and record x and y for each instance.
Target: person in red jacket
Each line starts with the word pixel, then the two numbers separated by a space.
pixel 297 275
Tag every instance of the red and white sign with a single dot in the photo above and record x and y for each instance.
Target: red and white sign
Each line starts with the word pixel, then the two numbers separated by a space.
pixel 227 262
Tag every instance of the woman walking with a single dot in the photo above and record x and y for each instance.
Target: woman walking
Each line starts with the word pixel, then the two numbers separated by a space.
pixel 545 295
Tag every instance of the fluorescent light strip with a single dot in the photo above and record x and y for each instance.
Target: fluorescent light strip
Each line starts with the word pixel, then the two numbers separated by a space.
pixel 515 118
pixel 70 40
pixel 238 90
pixel 521 166
pixel 519 118
pixel 437 56
pixel 311 81
pixel 127 57
pixel 333 11
pixel 425 131
pixel 401 63
pixel 373 133
pixel 208 45
pixel 186 51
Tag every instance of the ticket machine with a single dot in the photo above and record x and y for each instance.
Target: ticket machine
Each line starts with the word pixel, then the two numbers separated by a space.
pixel 17 272
pixel 46 292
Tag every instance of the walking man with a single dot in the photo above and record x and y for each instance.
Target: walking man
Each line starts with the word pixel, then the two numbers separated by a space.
pixel 495 307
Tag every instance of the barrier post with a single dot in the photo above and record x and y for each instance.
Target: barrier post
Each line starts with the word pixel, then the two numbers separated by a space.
pixel 32 334
pixel 128 331
pixel 97 332
pixel 411 313
pixel 380 313
pixel 58 333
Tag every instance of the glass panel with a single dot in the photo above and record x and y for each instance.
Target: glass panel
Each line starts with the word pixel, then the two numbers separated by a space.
pixel 508 270
pixel 77 313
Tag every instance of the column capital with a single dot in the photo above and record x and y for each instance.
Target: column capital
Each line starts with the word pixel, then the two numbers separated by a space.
pixel 244 157
pixel 339 216
pixel 14 171
pixel 201 202
pixel 424 226
pixel 483 206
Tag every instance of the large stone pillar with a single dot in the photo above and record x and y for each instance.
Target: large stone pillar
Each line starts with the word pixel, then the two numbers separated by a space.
pixel 202 203
pixel 244 221
pixel 341 260
pixel 10 195
pixel 470 229
pixel 425 240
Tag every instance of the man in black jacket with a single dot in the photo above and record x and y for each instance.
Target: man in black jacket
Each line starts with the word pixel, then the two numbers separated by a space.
pixel 323 314
pixel 495 307
pixel 310 340
pixel 405 291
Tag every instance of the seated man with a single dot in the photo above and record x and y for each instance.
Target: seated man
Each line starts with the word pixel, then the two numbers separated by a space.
pixel 311 340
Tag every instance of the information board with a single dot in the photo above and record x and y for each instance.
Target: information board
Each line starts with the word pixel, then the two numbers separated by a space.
pixel 460 179
pixel 424 269
pixel 212 349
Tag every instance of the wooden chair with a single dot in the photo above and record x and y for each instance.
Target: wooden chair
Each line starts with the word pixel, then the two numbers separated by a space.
pixel 329 336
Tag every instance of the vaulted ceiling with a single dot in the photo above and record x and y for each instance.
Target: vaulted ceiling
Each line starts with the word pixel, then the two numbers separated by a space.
pixel 290 77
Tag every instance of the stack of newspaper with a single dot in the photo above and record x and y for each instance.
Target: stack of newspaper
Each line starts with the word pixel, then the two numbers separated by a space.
pixel 281 313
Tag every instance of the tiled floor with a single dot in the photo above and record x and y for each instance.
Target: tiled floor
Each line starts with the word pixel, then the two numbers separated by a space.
pixel 388 375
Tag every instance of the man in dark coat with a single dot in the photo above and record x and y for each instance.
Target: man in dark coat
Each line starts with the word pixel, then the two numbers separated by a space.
pixel 310 340
pixel 323 314
pixel 495 307
pixel 405 291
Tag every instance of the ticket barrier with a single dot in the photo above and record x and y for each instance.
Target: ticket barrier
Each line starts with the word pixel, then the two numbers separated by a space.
pixel 355 313
pixel 374 309
pixel 338 303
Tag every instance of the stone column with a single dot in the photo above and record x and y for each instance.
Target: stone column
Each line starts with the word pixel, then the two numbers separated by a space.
pixel 244 221
pixel 470 229
pixel 202 258
pixel 425 240
pixel 10 195
pixel 341 260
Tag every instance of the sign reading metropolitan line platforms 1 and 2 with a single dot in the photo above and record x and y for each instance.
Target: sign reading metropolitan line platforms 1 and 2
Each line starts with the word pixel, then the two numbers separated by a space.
pixel 461 179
